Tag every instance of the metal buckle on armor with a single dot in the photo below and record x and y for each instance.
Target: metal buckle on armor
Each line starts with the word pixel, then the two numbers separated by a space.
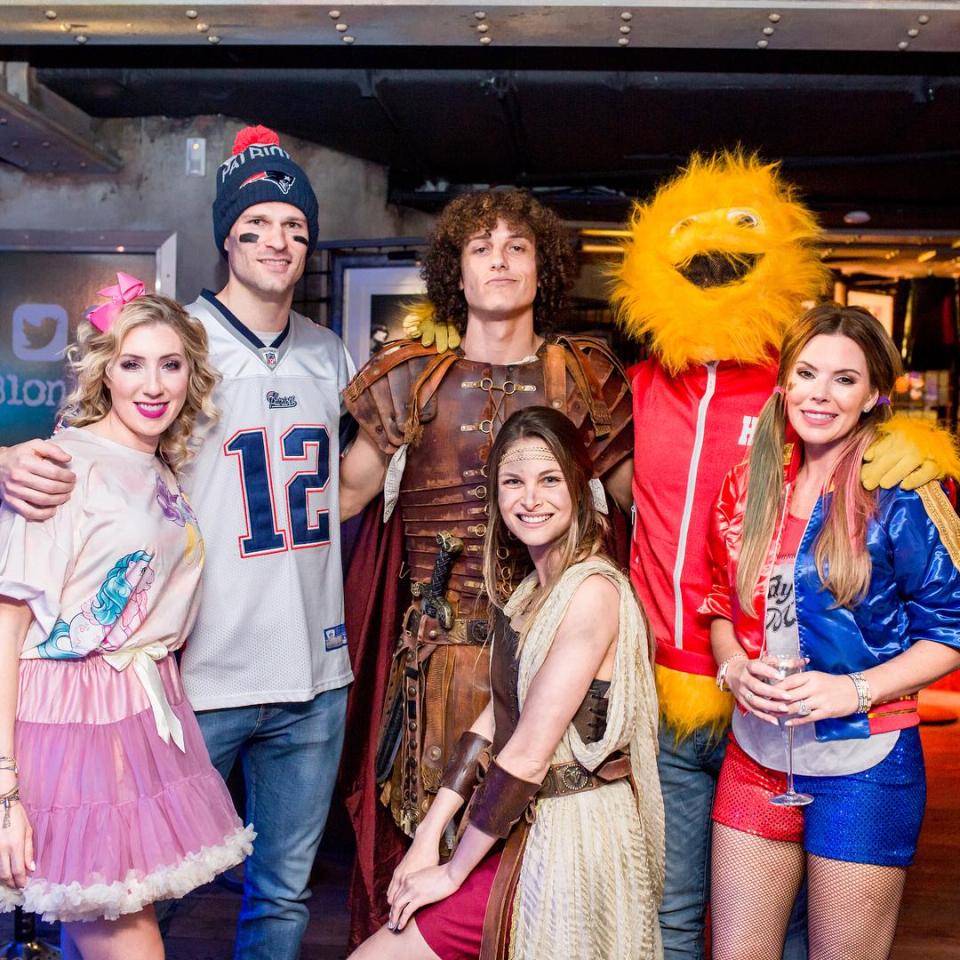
pixel 485 426
pixel 480 492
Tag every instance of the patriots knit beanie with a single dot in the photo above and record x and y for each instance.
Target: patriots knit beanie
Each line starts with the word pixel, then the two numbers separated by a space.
pixel 260 171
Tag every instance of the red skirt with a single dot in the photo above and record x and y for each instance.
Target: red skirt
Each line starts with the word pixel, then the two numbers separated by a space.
pixel 453 928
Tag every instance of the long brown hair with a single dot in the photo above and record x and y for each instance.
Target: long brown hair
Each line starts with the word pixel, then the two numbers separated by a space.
pixel 587 535
pixel 840 551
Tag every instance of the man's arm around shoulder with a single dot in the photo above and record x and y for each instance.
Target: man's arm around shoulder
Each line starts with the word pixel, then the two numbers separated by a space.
pixel 34 480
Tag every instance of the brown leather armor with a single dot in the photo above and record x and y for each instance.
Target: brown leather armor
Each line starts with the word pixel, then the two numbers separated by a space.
pixel 449 409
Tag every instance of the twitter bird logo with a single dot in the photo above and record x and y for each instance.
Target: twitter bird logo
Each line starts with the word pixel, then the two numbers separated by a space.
pixel 39 332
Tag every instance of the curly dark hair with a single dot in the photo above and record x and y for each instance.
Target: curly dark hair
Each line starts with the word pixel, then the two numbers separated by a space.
pixel 464 216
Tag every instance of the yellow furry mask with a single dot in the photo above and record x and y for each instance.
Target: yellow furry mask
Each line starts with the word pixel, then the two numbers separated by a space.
pixel 718 263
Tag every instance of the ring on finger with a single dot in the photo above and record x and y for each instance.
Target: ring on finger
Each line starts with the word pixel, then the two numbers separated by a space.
pixel 748 696
pixel 803 708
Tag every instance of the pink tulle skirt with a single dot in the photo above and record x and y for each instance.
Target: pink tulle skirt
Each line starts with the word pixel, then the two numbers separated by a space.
pixel 120 818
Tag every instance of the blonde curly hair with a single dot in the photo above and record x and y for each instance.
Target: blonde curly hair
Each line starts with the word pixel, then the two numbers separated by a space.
pixel 94 351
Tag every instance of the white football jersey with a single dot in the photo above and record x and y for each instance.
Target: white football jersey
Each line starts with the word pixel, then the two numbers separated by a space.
pixel 265 488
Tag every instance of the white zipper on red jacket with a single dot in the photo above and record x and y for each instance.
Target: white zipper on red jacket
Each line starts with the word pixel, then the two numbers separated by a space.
pixel 688 501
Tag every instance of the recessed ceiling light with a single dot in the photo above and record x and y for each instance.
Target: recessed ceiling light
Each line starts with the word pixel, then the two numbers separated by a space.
pixel 856 217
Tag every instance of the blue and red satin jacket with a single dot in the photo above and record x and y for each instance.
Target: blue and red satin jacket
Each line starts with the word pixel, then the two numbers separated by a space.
pixel 914 591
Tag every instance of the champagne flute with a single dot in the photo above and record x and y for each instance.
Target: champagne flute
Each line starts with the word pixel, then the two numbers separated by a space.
pixel 786 667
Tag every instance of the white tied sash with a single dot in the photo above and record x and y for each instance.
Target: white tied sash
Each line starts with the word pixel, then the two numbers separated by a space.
pixel 144 663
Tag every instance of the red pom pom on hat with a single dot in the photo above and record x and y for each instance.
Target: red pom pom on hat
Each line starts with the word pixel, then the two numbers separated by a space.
pixel 248 136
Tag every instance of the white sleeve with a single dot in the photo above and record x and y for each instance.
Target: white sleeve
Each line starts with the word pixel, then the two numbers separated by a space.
pixel 36 559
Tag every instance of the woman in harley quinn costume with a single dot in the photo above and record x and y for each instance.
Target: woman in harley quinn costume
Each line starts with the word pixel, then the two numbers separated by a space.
pixel 862 591
pixel 109 801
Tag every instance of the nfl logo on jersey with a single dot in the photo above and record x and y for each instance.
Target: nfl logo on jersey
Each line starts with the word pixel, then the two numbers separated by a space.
pixel 270 356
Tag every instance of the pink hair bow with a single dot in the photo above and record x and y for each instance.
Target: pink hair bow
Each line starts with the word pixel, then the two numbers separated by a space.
pixel 127 288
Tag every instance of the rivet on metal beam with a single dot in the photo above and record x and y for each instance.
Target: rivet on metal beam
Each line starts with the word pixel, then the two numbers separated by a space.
pixel 626 15
pixel 483 27
pixel 66 27
pixel 348 39
pixel 486 40
pixel 45 144
pixel 768 31
pixel 480 15
pixel 203 27
pixel 81 38
pixel 15 143
pixel 623 41
pixel 625 29
pixel 191 14
pixel 213 38
pixel 3 121
pixel 51 14
pixel 923 18
pixel 774 17
pixel 903 44
pixel 83 164
pixel 763 44
pixel 913 32
pixel 342 27
pixel 334 14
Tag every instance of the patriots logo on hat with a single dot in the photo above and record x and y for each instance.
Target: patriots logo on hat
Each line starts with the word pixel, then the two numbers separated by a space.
pixel 282 181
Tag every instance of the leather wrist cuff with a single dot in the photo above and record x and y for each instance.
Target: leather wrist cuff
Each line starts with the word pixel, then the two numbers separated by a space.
pixel 500 801
pixel 460 774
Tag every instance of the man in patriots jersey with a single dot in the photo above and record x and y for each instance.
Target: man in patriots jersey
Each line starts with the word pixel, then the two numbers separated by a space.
pixel 266 666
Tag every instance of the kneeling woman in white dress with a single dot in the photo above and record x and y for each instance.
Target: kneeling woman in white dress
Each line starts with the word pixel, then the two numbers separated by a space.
pixel 561 852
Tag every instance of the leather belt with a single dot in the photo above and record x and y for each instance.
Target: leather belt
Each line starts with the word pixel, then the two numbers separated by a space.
pixel 563 779
pixel 473 632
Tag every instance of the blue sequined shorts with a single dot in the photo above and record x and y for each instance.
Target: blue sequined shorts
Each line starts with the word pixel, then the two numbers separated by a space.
pixel 869 817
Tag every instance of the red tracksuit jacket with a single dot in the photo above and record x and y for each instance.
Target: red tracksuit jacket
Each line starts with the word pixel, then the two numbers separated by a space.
pixel 690 429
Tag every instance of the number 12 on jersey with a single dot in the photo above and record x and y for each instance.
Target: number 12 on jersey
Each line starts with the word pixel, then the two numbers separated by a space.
pixel 309 443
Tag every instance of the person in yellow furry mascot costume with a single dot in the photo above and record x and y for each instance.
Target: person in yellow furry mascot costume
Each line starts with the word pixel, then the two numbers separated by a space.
pixel 717 264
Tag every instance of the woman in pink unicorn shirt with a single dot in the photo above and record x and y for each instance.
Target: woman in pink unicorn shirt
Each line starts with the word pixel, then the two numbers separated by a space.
pixel 108 799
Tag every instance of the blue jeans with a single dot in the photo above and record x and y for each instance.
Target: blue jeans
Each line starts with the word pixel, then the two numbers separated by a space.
pixel 688 778
pixel 290 753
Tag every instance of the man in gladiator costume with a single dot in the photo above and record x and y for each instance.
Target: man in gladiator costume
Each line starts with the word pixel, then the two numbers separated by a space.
pixel 498 268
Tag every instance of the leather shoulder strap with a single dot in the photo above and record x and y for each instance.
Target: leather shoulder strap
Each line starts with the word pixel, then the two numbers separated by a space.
pixel 586 380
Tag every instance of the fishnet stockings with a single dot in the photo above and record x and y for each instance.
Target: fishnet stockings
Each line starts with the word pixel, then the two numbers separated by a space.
pixel 754 884
pixel 853 907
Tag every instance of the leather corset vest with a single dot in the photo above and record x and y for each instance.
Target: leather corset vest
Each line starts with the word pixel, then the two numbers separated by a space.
pixel 444 485
pixel 590 719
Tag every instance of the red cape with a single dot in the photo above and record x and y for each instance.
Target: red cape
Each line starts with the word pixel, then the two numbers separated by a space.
pixel 375 598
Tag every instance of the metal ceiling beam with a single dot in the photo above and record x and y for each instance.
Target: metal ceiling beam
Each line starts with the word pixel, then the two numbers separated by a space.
pixel 41 132
pixel 825 25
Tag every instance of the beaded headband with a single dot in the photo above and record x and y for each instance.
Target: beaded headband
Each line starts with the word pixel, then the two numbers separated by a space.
pixel 516 453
